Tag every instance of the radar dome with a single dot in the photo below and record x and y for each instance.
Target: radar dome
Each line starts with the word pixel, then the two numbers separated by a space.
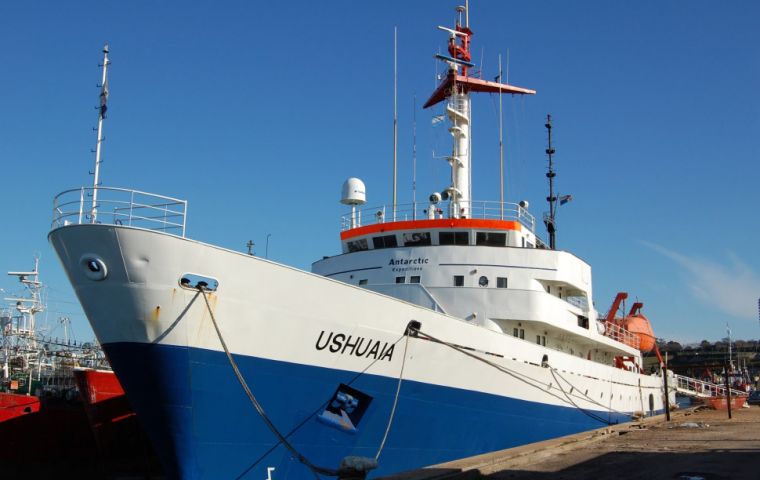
pixel 353 192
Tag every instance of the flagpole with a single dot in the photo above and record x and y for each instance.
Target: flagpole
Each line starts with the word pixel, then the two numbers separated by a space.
pixel 101 115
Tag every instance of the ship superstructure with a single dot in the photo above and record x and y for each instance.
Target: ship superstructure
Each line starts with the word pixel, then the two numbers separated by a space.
pixel 434 335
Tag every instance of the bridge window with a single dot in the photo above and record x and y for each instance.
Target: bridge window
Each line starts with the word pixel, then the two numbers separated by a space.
pixel 501 282
pixel 386 241
pixel 491 239
pixel 416 239
pixel 459 280
pixel 453 238
pixel 357 245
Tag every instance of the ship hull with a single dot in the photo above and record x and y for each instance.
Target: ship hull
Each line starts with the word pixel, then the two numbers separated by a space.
pixel 299 341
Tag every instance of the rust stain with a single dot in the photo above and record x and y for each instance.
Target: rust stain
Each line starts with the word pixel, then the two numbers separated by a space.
pixel 155 313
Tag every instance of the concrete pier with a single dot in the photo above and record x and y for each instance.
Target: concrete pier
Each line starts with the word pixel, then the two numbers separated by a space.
pixel 702 444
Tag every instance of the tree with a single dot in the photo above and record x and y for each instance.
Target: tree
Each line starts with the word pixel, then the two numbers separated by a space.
pixel 673 347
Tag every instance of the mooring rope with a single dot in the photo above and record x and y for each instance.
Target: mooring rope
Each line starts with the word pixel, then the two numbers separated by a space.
pixel 538 384
pixel 305 461
pixel 395 399
pixel 316 470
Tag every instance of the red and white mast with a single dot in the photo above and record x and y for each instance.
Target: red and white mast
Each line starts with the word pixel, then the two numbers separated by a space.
pixel 456 87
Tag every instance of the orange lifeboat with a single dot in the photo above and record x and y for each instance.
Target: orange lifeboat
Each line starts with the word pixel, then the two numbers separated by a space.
pixel 639 325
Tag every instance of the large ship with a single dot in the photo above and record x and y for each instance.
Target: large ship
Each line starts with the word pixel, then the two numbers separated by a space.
pixel 440 331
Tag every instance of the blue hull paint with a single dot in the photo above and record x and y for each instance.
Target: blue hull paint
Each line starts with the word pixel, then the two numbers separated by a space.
pixel 203 425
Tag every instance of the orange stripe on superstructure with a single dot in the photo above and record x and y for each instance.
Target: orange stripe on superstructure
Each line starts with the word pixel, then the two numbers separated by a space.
pixel 428 224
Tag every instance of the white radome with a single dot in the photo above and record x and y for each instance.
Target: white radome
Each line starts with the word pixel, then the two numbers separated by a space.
pixel 353 192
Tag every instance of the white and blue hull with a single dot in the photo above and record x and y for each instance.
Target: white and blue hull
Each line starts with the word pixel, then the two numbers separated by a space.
pixel 297 337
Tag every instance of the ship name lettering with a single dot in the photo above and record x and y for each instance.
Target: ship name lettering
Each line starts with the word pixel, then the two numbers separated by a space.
pixel 358 346
pixel 408 261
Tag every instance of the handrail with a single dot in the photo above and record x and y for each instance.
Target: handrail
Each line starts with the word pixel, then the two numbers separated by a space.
pixel 482 209
pixel 699 388
pixel 120 206
pixel 620 334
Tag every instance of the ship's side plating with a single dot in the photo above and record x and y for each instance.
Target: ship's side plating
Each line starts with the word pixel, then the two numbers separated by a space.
pixel 300 338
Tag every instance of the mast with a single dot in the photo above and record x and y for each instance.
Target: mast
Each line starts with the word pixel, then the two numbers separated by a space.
pixel 456 88
pixel 395 117
pixel 552 199
pixel 101 115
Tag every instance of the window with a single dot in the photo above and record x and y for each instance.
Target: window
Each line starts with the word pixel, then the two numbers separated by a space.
pixel 363 282
pixel 415 239
pixel 583 321
pixel 515 332
pixel 386 241
pixel 501 282
pixel 483 281
pixel 522 333
pixel 414 279
pixel 541 340
pixel 357 245
pixel 454 238
pixel 459 280
pixel 400 279
pixel 491 239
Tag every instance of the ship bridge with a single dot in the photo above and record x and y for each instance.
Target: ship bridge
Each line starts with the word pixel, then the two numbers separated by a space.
pixel 489 223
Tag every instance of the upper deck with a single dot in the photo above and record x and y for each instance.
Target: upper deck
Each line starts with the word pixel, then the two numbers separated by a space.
pixel 487 223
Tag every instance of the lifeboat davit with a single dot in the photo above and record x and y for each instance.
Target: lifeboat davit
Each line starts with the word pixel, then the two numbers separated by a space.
pixel 639 325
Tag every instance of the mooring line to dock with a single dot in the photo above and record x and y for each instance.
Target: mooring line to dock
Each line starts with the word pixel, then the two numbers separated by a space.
pixel 523 378
pixel 395 399
pixel 316 470
pixel 590 400
pixel 349 465
pixel 590 414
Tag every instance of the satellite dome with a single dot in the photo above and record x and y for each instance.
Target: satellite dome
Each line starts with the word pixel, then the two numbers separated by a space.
pixel 353 192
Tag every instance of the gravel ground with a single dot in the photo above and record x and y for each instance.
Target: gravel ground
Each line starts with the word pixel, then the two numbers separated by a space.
pixel 694 445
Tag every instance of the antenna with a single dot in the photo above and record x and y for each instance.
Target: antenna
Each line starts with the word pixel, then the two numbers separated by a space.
pixel 395 118
pixel 501 151
pixel 414 157
pixel 549 221
pixel 101 115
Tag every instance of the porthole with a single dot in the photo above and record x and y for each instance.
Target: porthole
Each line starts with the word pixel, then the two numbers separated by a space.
pixel 483 281
pixel 93 267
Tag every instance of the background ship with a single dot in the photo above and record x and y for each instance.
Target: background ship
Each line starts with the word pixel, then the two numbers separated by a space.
pixel 441 331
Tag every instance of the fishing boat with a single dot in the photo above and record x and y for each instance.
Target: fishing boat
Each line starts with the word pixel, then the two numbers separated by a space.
pixel 438 332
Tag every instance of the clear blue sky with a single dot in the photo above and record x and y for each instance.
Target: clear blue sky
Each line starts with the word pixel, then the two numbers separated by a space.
pixel 255 112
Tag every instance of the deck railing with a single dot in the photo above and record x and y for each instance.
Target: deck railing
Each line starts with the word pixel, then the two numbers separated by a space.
pixel 490 210
pixel 120 206
pixel 616 332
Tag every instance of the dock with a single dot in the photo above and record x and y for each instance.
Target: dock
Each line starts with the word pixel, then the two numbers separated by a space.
pixel 697 444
